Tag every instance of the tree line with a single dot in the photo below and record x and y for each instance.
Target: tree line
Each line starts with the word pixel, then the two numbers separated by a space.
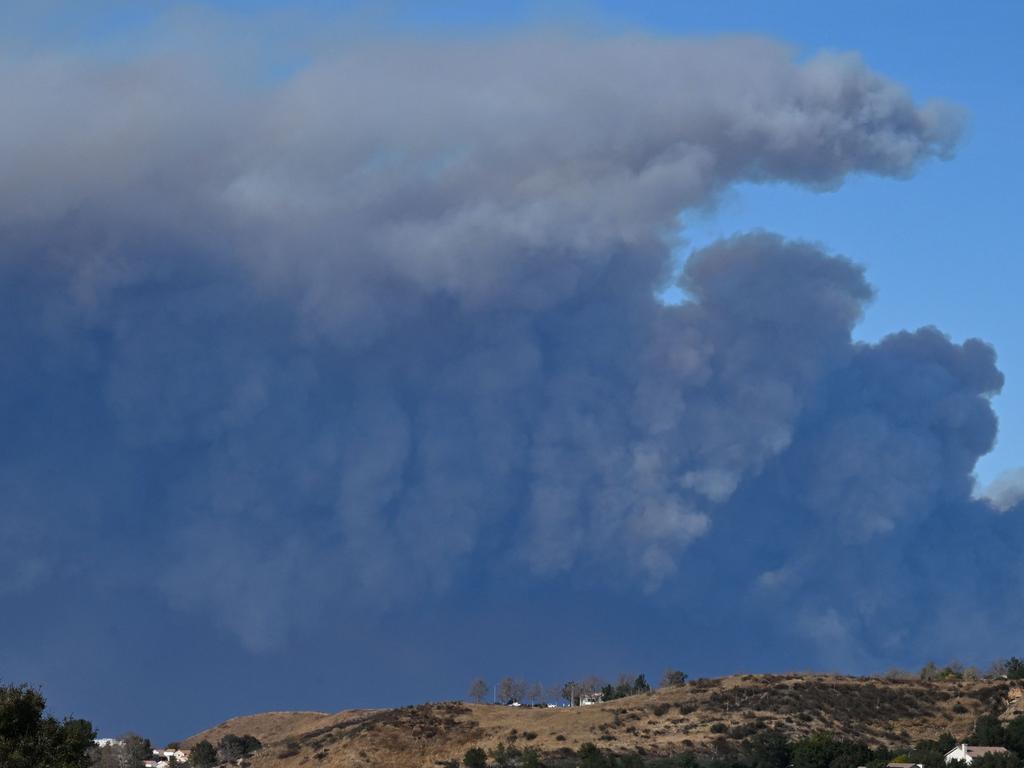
pixel 29 738
pixel 510 689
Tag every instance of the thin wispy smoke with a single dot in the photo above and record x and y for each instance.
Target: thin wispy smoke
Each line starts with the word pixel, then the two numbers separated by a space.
pixel 350 337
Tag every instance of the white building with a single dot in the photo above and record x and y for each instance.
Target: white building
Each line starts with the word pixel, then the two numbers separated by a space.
pixel 966 753
pixel 591 698
pixel 181 755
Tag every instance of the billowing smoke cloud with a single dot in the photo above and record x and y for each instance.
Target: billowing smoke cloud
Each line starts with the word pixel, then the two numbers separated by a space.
pixel 1007 490
pixel 390 324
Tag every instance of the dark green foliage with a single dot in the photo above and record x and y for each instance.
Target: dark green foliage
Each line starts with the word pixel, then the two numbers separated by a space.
pixel 30 739
pixel 203 755
pixel 231 748
pixel 769 750
pixel 988 732
pixel 817 751
pixel 475 758
pixel 1015 668
pixel 505 756
pixel 1013 735
pixel 932 753
pixel 1004 760
pixel 626 688
pixel 590 756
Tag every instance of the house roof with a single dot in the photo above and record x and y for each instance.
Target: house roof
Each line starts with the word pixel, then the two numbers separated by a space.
pixel 979 751
pixel 971 751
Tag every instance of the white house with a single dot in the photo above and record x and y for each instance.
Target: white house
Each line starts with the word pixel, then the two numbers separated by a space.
pixel 163 758
pixel 181 755
pixel 966 753
pixel 591 698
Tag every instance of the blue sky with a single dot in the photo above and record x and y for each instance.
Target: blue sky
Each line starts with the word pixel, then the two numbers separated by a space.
pixel 301 515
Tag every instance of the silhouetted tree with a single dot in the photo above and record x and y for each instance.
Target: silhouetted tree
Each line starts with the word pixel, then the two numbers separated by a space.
pixel 30 739
pixel 475 758
pixel 203 755
pixel 640 685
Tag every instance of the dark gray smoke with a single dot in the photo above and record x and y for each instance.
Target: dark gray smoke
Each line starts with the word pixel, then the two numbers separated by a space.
pixel 389 327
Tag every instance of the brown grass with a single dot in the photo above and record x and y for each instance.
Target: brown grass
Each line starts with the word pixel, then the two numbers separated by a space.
pixel 706 715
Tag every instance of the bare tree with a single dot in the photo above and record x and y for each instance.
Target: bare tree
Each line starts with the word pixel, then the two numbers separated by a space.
pixel 571 692
pixel 478 690
pixel 507 690
pixel 593 684
pixel 535 693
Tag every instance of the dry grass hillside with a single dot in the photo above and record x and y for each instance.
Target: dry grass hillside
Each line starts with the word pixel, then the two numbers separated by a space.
pixel 707 716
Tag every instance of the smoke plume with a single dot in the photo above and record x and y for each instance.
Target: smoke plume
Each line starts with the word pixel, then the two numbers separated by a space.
pixel 362 335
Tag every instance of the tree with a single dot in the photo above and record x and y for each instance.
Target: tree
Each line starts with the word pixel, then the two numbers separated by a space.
pixel 475 758
pixel 640 685
pixel 1013 735
pixel 931 753
pixel 592 684
pixel 478 690
pixel 136 749
pixel 590 756
pixel 988 732
pixel 229 748
pixel 505 755
pixel 997 669
pixel 673 678
pixel 203 755
pixel 769 749
pixel 1002 760
pixel 571 692
pixel 815 751
pixel 29 738
pixel 929 671
pixel 535 693
pixel 1015 668
pixel 250 744
pixel 509 690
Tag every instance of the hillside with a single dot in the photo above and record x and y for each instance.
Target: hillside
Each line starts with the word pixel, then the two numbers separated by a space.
pixel 705 716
